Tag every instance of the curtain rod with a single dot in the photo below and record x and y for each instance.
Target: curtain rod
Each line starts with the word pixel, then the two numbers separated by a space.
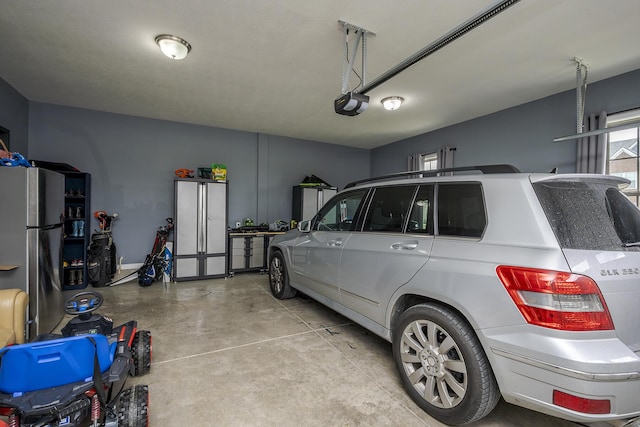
pixel 628 125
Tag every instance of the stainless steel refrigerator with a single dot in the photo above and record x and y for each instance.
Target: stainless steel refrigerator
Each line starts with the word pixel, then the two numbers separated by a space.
pixel 31 228
pixel 200 233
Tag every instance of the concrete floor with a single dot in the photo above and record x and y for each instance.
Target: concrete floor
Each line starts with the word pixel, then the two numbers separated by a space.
pixel 226 353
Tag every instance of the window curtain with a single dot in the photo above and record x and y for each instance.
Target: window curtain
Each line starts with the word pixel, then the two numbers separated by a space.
pixel 445 159
pixel 444 156
pixel 414 162
pixel 592 150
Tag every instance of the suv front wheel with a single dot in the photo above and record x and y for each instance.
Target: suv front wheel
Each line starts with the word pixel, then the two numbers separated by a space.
pixel 279 277
pixel 442 365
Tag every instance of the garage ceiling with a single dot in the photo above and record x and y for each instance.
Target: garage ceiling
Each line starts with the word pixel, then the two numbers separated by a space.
pixel 275 66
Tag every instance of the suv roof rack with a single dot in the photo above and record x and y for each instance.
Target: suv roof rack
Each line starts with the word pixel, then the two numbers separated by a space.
pixel 486 169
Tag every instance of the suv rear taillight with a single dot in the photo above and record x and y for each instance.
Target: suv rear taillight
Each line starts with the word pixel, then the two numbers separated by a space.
pixel 556 299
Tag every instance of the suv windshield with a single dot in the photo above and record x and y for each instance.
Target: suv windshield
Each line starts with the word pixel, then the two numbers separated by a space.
pixel 590 215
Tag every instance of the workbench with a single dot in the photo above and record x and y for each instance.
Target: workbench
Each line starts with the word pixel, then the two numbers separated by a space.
pixel 248 251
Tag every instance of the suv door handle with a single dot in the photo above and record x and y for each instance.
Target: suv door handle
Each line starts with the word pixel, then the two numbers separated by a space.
pixel 405 245
pixel 337 242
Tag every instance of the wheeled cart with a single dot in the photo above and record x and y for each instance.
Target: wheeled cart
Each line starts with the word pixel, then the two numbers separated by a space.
pixel 248 251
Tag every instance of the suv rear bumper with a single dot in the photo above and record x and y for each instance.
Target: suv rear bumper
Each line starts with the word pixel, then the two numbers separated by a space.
pixel 595 369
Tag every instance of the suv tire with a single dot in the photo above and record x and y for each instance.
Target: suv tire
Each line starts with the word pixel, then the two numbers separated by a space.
pixel 442 365
pixel 279 278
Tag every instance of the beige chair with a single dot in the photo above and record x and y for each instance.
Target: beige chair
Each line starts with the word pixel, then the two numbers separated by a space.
pixel 13 308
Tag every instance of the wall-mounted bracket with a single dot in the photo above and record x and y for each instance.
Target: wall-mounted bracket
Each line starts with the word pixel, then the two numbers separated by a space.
pixel 347 62
pixel 581 92
pixel 351 103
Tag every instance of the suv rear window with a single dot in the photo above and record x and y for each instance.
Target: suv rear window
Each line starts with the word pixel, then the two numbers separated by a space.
pixel 461 210
pixel 389 207
pixel 590 215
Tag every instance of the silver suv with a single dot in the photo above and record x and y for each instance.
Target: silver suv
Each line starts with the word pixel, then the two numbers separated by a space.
pixel 525 286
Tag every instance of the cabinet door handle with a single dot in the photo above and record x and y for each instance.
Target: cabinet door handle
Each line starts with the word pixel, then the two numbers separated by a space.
pixel 201 218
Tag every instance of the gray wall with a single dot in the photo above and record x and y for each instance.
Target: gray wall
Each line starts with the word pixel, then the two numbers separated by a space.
pixel 132 162
pixel 132 159
pixel 14 115
pixel 522 135
pixel 287 161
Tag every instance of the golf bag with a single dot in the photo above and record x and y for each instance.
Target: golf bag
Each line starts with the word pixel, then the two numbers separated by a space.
pixel 158 262
pixel 101 255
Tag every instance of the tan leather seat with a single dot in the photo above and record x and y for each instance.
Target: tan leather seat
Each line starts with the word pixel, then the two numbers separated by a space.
pixel 13 308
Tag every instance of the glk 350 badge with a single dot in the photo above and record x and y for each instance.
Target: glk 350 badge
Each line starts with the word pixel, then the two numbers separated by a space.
pixel 620 271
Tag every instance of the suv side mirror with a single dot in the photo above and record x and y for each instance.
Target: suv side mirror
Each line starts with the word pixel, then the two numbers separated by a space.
pixel 304 226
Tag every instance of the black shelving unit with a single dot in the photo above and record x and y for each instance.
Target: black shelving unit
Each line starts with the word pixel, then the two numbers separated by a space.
pixel 77 202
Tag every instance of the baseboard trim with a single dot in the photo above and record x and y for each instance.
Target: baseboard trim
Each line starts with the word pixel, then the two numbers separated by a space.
pixel 135 266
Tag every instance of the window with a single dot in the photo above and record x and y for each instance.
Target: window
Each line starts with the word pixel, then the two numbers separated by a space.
pixel 420 220
pixel 339 214
pixel 623 157
pixel 590 215
pixel 388 208
pixel 423 162
pixel 461 210
pixel 429 162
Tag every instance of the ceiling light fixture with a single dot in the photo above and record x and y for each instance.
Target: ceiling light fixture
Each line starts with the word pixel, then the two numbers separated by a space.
pixel 172 46
pixel 392 102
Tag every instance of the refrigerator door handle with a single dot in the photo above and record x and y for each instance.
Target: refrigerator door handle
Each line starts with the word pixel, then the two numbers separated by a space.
pixel 44 227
